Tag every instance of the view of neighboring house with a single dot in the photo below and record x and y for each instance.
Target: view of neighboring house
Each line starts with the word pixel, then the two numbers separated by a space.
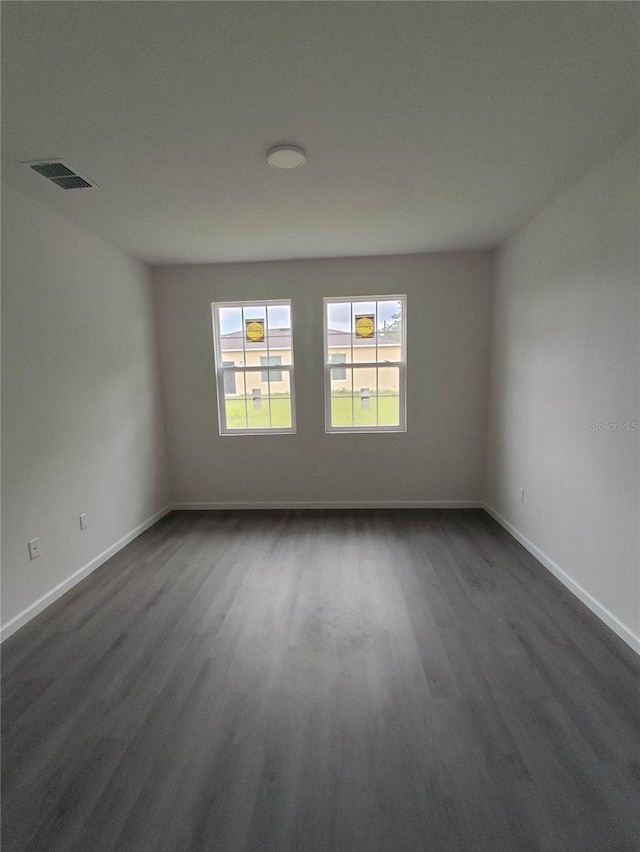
pixel 344 347
pixel 269 353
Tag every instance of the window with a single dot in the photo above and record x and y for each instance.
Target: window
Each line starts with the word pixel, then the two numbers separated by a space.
pixel 338 358
pixel 367 337
pixel 271 361
pixel 229 378
pixel 249 337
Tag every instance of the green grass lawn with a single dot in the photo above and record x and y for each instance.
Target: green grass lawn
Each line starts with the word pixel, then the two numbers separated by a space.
pixel 345 411
pixel 349 411
pixel 238 414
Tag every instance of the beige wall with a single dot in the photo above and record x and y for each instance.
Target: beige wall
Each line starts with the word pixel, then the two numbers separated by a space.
pixel 440 457
pixel 565 363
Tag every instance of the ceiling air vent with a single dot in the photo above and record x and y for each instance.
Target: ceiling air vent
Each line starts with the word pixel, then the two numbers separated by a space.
pixel 59 173
pixel 71 182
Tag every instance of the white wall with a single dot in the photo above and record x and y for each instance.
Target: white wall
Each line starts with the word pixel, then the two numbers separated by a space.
pixel 440 458
pixel 81 415
pixel 564 355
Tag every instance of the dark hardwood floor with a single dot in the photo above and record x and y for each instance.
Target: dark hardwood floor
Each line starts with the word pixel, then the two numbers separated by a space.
pixel 320 681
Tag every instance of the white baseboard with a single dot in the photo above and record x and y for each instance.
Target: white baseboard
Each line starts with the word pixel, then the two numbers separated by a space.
pixel 336 504
pixel 579 591
pixel 56 592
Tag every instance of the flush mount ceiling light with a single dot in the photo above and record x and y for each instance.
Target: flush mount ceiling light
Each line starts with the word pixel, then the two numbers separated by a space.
pixel 285 157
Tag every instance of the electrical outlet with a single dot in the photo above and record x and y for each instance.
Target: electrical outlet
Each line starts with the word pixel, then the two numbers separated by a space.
pixel 34 548
pixel 522 495
pixel 84 521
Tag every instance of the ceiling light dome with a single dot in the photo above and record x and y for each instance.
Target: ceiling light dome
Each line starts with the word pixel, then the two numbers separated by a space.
pixel 285 157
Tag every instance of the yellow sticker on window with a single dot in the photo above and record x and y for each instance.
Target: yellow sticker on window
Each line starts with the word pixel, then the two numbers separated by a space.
pixel 365 325
pixel 254 330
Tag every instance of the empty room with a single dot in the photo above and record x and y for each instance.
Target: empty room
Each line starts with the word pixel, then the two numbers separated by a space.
pixel 320 426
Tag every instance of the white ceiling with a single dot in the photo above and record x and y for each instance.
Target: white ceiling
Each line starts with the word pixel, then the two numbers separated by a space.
pixel 427 126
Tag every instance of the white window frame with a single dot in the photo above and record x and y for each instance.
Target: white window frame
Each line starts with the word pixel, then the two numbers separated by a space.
pixel 258 370
pixel 402 365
